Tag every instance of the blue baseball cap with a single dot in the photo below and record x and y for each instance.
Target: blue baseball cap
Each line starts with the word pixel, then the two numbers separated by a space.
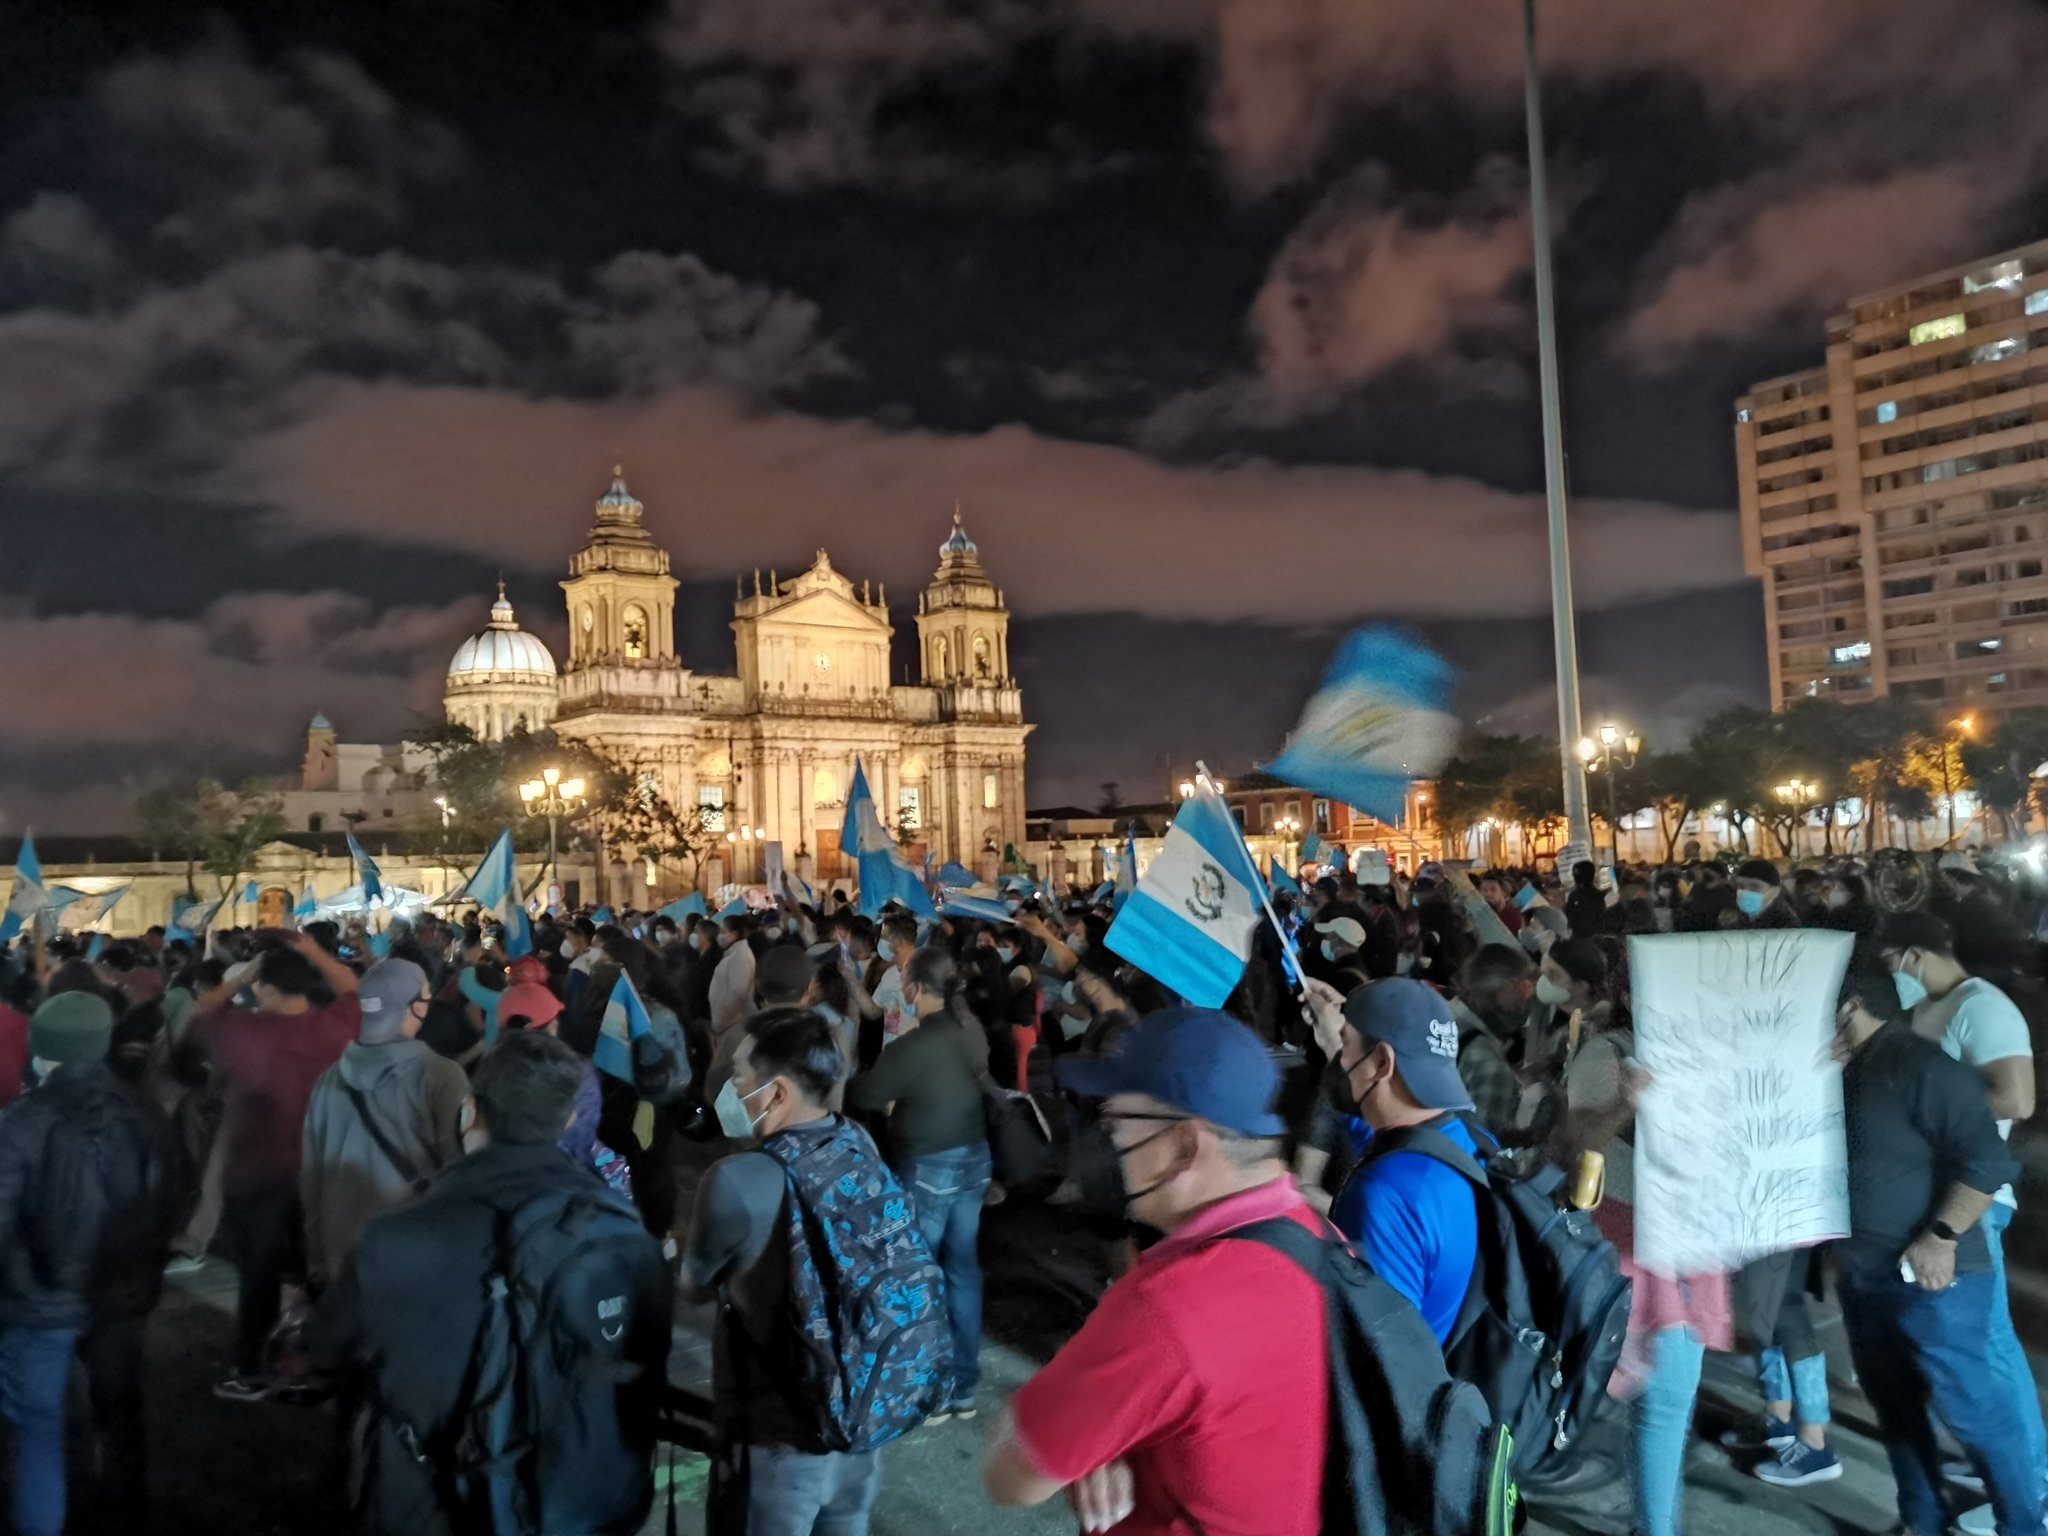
pixel 1200 1060
pixel 1417 1024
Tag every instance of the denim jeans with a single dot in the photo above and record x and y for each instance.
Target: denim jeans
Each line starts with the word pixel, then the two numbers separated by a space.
pixel 35 1366
pixel 2008 1358
pixel 1919 1351
pixel 1660 1420
pixel 947 1188
pixel 1802 1383
pixel 772 1490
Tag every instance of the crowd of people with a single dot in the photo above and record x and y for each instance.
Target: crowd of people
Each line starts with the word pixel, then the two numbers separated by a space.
pixel 342 1114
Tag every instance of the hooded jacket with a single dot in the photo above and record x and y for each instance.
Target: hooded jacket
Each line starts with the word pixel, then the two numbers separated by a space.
pixel 92 1185
pixel 382 1121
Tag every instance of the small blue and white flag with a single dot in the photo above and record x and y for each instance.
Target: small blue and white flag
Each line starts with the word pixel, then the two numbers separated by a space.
pixel 1126 880
pixel 692 905
pixel 625 1020
pixel 28 896
pixel 1312 849
pixel 1191 920
pixel 1282 881
pixel 496 881
pixel 1103 891
pixel 604 915
pixel 308 904
pixel 737 907
pixel 252 893
pixel 956 876
pixel 1380 720
pixel 191 919
pixel 366 870
pixel 960 904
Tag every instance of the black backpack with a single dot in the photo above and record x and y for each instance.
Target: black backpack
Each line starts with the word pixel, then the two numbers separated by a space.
pixel 529 1366
pixel 1542 1325
pixel 1411 1451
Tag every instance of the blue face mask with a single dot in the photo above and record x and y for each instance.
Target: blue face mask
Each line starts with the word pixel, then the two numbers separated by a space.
pixel 1911 992
pixel 1008 954
pixel 1751 903
pixel 886 950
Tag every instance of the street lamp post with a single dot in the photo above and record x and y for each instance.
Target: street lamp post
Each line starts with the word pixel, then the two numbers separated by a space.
pixel 1288 829
pixel 554 797
pixel 1563 627
pixel 746 837
pixel 1616 749
pixel 1964 726
pixel 1801 795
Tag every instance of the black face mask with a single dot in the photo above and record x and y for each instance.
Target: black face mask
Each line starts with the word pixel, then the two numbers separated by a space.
pixel 1133 1196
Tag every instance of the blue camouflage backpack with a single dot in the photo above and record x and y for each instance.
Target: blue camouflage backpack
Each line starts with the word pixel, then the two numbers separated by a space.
pixel 876 1351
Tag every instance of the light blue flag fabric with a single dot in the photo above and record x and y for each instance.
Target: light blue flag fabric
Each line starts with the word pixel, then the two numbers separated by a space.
pixel 85 908
pixel 959 904
pixel 1104 891
pixel 1380 720
pixel 28 896
pixel 252 893
pixel 692 905
pixel 1126 880
pixel 858 799
pixel 603 915
pixel 1282 881
pixel 625 1020
pixel 956 876
pixel 737 907
pixel 496 880
pixel 1191 921
pixel 95 948
pixel 308 904
pixel 1312 849
pixel 1339 860
pixel 518 932
pixel 366 870
pixel 1528 896
pixel 380 944
pixel 192 919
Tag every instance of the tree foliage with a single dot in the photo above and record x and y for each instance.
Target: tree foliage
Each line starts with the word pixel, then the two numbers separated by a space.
pixel 203 824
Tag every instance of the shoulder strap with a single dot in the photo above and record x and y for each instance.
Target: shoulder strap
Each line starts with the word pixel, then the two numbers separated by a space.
pixel 1428 1140
pixel 405 1166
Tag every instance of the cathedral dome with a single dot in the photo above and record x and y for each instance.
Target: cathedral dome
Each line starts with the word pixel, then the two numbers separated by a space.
pixel 504 647
pixel 959 545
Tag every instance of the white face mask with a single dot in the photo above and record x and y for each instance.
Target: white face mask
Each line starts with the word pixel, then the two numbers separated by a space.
pixel 568 950
pixel 731 1108
pixel 1548 991
pixel 771 929
pixel 1912 991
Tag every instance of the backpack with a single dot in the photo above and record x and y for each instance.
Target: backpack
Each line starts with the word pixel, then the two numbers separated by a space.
pixel 1542 1325
pixel 528 1367
pixel 1412 1452
pixel 875 1350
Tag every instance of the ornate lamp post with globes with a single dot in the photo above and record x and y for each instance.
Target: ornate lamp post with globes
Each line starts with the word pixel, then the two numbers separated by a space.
pixel 554 797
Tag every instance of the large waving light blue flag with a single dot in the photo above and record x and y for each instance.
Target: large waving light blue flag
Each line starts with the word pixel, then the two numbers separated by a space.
pixel 495 889
pixel 956 876
pixel 625 1020
pixel 737 907
pixel 692 905
pixel 193 918
pixel 366 870
pixel 884 874
pixel 1191 921
pixel 83 909
pixel 1380 719
pixel 960 904
pixel 28 896
pixel 308 904
pixel 858 801
pixel 1282 881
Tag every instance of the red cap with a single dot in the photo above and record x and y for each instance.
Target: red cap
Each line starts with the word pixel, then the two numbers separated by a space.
pixel 530 1001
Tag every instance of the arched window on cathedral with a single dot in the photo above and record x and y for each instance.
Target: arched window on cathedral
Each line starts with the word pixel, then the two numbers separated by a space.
pixel 939 658
pixel 824 788
pixel 983 668
pixel 635 631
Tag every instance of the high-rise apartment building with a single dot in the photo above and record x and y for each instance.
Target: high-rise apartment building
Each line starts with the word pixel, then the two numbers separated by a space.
pixel 1895 501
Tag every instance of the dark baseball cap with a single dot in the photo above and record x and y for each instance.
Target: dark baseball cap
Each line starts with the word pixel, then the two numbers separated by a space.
pixel 1200 1060
pixel 1416 1023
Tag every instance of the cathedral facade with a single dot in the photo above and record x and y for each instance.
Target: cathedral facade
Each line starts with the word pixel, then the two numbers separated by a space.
pixel 768 755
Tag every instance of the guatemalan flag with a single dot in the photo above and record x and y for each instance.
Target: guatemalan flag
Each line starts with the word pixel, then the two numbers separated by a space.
pixel 28 896
pixel 884 876
pixel 1191 920
pixel 495 889
pixel 1380 720
pixel 1282 881
pixel 625 1020
pixel 960 904
pixel 308 905
pixel 1126 880
pixel 366 869
pixel 692 905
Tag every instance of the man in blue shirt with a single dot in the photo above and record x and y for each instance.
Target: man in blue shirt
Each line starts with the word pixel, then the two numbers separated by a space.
pixel 1412 1217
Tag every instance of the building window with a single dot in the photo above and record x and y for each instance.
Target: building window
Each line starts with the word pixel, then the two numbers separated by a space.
pixel 711 806
pixel 1993 351
pixel 910 806
pixel 1294 810
pixel 983 668
pixel 1743 414
pixel 824 788
pixel 635 632
pixel 991 791
pixel 1887 411
pixel 1844 655
pixel 2037 302
pixel 1937 330
pixel 2004 274
pixel 1322 815
pixel 1265 815
pixel 939 658
pixel 316 823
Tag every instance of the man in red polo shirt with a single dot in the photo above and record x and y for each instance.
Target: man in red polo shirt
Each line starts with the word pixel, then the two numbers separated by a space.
pixel 1194 1398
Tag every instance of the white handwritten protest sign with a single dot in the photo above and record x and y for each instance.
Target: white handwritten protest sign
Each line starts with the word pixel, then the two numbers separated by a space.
pixel 1739 1141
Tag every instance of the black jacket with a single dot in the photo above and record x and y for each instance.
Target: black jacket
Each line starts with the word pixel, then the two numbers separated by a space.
pixel 92 1184
pixel 406 1314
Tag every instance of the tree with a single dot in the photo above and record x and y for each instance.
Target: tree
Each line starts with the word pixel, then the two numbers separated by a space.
pixel 2003 767
pixel 1934 766
pixel 1505 778
pixel 205 825
pixel 1735 751
pixel 1674 785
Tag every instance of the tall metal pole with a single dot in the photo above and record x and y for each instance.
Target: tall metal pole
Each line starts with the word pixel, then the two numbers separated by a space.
pixel 1565 631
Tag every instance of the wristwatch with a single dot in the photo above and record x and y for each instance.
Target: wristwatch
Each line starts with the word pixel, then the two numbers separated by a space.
pixel 1943 1230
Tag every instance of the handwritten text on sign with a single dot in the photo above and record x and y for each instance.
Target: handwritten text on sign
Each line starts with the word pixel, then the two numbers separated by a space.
pixel 1739 1143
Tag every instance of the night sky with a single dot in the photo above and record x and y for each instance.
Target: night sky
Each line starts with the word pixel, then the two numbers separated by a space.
pixel 1212 314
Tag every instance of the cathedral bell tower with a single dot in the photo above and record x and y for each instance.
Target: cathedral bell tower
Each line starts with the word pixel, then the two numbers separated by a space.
pixel 963 628
pixel 622 600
